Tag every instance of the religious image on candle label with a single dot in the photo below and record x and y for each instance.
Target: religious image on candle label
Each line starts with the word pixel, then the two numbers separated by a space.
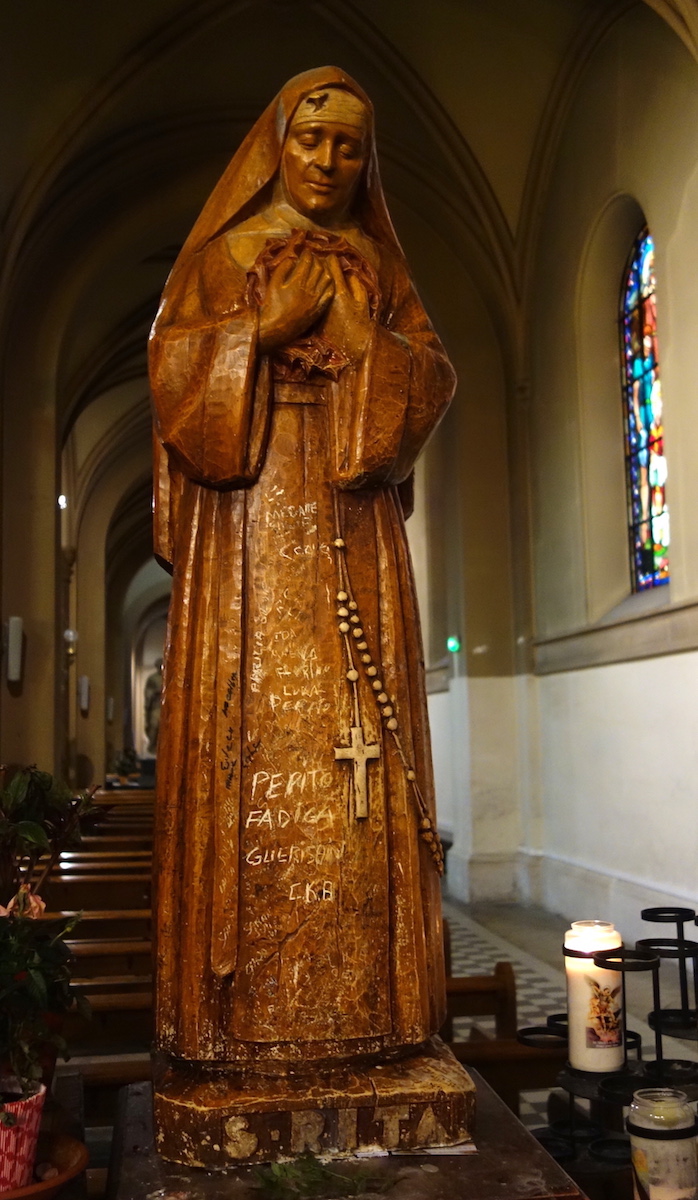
pixel 604 1028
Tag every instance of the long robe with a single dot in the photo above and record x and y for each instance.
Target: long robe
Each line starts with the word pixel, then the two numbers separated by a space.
pixel 291 926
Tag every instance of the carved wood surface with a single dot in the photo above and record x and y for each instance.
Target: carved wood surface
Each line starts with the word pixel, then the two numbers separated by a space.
pixel 210 1119
pixel 295 379
pixel 508 1163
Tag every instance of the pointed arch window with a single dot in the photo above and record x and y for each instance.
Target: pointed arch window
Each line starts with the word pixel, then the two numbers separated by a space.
pixel 645 464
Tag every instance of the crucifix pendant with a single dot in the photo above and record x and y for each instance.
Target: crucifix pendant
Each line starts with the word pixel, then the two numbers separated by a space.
pixel 359 753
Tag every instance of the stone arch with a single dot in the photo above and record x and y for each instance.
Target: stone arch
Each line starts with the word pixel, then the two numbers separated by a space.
pixel 99 199
pixel 601 267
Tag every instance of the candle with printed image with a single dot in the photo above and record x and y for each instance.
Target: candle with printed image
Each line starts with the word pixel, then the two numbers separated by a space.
pixel 594 999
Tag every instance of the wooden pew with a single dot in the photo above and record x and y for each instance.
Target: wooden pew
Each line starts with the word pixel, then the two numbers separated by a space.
pixel 111 956
pixel 118 841
pixel 511 1068
pixel 109 923
pixel 124 796
pixel 112 867
pixel 483 995
pixel 508 1066
pixel 108 877
pixel 92 890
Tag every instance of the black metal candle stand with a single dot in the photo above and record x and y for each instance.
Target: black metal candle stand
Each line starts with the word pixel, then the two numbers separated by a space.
pixel 677 1022
pixel 567 1140
pixel 661 1071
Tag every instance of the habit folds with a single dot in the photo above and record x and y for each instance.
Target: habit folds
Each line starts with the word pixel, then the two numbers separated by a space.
pixel 297 893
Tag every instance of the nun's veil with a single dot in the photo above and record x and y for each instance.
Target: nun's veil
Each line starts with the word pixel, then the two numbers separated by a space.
pixel 252 168
pixel 257 161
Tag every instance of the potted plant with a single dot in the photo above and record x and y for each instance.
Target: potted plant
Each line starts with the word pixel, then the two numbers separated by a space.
pixel 126 764
pixel 39 817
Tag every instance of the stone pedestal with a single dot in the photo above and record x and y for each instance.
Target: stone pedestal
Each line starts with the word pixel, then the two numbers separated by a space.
pixel 207 1118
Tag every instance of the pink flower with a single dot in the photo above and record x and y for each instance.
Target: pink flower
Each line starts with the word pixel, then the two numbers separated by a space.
pixel 28 906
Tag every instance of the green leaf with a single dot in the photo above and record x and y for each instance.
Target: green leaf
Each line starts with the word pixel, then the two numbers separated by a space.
pixel 33 833
pixel 38 986
pixel 17 789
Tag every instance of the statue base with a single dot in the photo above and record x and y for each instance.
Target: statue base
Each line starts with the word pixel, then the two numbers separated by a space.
pixel 204 1118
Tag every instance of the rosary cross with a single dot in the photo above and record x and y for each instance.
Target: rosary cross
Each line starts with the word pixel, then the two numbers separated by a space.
pixel 359 753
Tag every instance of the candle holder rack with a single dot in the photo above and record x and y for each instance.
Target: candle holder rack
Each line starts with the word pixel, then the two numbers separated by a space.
pixel 602 1139
pixel 677 1022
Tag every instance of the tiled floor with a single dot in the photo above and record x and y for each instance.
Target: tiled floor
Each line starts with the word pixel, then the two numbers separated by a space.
pixel 540 987
pixel 540 990
pixel 474 951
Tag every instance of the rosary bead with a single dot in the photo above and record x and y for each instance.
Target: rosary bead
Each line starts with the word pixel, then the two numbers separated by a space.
pixel 371 670
pixel 425 822
pixel 376 685
pixel 342 596
pixel 362 646
pixel 353 604
pixel 365 658
pixel 343 627
pixel 358 632
pixel 342 612
pixel 352 675
pixel 411 775
pixel 354 619
pixel 339 543
pixel 382 699
pixel 387 711
pixel 392 723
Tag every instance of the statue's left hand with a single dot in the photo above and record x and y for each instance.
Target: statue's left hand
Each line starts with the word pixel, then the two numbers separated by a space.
pixel 348 323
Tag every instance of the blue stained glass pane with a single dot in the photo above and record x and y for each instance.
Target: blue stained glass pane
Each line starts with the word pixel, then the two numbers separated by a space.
pixel 646 470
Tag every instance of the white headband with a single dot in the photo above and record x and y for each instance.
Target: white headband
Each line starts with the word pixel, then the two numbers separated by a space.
pixel 332 104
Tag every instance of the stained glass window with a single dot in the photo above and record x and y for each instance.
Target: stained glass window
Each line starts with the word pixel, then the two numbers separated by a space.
pixel 645 464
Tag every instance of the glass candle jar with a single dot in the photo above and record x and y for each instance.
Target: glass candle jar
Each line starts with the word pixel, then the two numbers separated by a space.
pixel 662 1128
pixel 594 998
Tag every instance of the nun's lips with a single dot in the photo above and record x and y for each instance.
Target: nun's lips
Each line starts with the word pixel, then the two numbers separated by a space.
pixel 321 185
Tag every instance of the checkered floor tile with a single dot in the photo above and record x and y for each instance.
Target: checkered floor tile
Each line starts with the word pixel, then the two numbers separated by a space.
pixel 474 951
pixel 540 991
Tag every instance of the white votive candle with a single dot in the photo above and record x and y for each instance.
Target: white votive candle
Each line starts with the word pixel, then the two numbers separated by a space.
pixel 665 1166
pixel 594 999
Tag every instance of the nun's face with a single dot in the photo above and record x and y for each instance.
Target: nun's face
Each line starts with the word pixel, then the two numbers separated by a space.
pixel 321 165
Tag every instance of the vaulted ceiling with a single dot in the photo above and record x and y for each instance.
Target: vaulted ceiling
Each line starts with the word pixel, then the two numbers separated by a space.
pixel 117 119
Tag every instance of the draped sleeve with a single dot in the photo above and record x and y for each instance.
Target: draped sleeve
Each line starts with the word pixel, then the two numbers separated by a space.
pixel 211 392
pixel 388 405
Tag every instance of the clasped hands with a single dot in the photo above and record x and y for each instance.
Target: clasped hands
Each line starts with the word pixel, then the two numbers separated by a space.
pixel 301 291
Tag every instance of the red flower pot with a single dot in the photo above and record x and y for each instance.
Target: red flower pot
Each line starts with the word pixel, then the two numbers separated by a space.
pixel 18 1141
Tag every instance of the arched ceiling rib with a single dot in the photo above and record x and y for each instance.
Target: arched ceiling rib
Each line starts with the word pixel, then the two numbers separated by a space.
pixel 114 351
pixel 100 170
pixel 129 538
pixel 119 440
pixel 682 17
pixel 345 27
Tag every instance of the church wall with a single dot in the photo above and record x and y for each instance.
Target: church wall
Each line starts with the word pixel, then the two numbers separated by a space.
pixel 626 138
pixel 467 590
pixel 92 606
pixel 452 219
pixel 619 764
pixel 617 827
pixel 491 66
pixel 30 543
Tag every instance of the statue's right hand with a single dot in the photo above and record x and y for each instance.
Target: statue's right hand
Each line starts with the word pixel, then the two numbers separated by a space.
pixel 297 295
